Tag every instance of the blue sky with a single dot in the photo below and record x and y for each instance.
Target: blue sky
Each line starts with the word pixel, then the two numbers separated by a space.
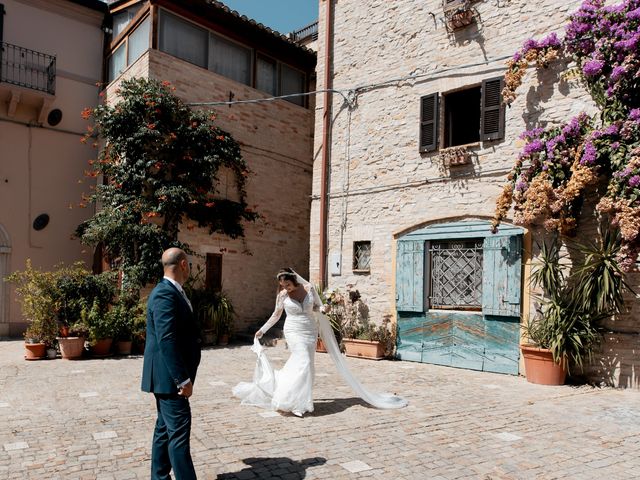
pixel 282 15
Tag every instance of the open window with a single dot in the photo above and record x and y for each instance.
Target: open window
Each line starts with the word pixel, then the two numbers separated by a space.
pixel 469 115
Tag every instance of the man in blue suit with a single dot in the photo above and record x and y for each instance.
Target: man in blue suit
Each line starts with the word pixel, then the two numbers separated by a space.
pixel 171 358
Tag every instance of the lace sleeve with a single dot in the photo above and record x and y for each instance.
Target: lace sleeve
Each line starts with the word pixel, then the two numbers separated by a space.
pixel 277 313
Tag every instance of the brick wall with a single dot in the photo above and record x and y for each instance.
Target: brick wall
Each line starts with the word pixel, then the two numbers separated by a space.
pixel 380 185
pixel 276 140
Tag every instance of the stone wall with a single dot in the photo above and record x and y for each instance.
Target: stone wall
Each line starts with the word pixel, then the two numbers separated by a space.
pixel 380 185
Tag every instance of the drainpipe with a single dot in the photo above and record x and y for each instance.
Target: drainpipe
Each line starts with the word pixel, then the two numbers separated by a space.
pixel 326 136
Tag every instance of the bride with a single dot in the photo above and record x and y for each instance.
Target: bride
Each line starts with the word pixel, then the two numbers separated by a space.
pixel 291 388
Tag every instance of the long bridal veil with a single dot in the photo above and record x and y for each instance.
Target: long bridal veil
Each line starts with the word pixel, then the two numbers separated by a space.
pixel 376 399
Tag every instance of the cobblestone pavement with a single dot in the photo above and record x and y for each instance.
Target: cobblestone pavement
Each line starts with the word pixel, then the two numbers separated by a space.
pixel 87 419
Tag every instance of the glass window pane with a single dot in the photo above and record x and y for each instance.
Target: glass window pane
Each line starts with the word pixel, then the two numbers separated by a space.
pixel 138 41
pixel 121 20
pixel 292 81
pixel 117 63
pixel 183 39
pixel 230 59
pixel 266 76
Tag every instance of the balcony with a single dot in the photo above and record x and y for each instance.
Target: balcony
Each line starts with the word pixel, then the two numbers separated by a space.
pixel 27 68
pixel 306 34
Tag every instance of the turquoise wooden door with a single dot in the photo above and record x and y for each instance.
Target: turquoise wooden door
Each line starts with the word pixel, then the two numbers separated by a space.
pixel 480 340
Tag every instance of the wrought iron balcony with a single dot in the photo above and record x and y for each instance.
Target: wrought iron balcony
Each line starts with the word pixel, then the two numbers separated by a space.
pixel 310 31
pixel 27 68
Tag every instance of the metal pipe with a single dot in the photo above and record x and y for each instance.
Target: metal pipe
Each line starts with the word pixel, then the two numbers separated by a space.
pixel 326 125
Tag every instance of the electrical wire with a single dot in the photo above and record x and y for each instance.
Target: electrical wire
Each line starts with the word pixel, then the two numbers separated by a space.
pixel 417 183
pixel 349 95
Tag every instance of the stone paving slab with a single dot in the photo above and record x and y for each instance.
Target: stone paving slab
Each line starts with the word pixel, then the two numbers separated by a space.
pixel 460 424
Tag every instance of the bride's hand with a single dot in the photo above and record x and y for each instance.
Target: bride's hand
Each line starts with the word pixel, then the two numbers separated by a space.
pixel 259 334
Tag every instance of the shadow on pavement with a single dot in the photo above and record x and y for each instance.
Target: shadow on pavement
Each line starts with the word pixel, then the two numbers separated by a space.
pixel 330 406
pixel 276 467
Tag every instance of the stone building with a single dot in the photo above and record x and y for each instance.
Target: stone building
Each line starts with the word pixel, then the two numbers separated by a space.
pixel 50 63
pixel 419 146
pixel 212 54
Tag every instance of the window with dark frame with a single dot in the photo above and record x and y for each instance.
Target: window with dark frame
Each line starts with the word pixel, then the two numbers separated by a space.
pixel 213 272
pixel 2 11
pixel 189 41
pixel 470 115
pixel 362 256
pixel 455 274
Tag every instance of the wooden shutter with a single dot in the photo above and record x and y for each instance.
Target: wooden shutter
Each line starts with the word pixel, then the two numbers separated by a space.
pixel 492 111
pixel 410 276
pixel 501 275
pixel 213 273
pixel 429 123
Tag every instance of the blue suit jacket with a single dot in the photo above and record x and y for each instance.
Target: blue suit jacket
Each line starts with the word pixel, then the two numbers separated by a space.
pixel 172 347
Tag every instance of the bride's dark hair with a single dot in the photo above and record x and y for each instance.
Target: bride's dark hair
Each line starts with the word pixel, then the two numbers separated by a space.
pixel 287 274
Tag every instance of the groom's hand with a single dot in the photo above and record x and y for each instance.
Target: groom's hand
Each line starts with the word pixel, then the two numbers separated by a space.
pixel 186 391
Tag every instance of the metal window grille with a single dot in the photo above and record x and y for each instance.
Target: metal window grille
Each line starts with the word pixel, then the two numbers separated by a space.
pixel 361 256
pixel 456 274
pixel 27 68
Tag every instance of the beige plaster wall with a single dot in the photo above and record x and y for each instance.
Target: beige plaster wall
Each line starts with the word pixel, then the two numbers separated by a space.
pixel 41 166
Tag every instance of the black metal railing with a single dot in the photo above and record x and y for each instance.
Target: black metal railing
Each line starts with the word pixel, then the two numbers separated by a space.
pixel 27 68
pixel 310 30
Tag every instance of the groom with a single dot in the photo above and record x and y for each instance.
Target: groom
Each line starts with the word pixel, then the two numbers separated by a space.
pixel 171 358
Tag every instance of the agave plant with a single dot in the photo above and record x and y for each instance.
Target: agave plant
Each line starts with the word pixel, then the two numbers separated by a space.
pixel 573 306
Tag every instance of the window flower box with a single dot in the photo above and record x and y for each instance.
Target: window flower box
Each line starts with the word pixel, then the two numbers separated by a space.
pixel 455 156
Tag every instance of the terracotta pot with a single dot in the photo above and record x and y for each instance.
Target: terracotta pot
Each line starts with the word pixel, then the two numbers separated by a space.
pixel 209 337
pixel 34 351
pixel 64 331
pixel 71 348
pixel 363 349
pixel 320 346
pixel 123 347
pixel 102 347
pixel 223 340
pixel 540 367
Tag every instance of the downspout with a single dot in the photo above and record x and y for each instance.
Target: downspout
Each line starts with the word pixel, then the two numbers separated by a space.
pixel 326 136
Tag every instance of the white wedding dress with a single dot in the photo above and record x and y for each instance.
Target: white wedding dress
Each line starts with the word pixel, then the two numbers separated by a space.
pixel 291 388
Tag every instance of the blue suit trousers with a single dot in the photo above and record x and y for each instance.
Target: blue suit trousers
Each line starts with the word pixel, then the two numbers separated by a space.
pixel 171 449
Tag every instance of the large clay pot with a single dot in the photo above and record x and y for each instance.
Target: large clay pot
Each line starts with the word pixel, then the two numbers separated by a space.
pixel 320 346
pixel 71 348
pixel 363 349
pixel 540 367
pixel 123 347
pixel 34 351
pixel 102 347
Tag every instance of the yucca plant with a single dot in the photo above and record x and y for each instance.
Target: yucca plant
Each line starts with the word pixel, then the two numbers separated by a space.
pixel 572 307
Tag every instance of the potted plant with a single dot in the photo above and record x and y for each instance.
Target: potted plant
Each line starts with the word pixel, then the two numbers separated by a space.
pixel 333 308
pixel 100 327
pixel 565 330
pixel 360 337
pixel 222 313
pixel 37 294
pixel 84 300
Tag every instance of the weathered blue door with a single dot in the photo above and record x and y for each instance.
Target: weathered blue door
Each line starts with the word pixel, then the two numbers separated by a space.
pixel 484 337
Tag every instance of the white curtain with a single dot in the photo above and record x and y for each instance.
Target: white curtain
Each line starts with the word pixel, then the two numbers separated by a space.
pixel 266 76
pixel 292 82
pixel 229 59
pixel 183 39
pixel 138 41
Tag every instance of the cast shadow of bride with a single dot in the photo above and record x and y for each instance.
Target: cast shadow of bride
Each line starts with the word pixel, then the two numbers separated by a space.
pixel 274 467
pixel 331 406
